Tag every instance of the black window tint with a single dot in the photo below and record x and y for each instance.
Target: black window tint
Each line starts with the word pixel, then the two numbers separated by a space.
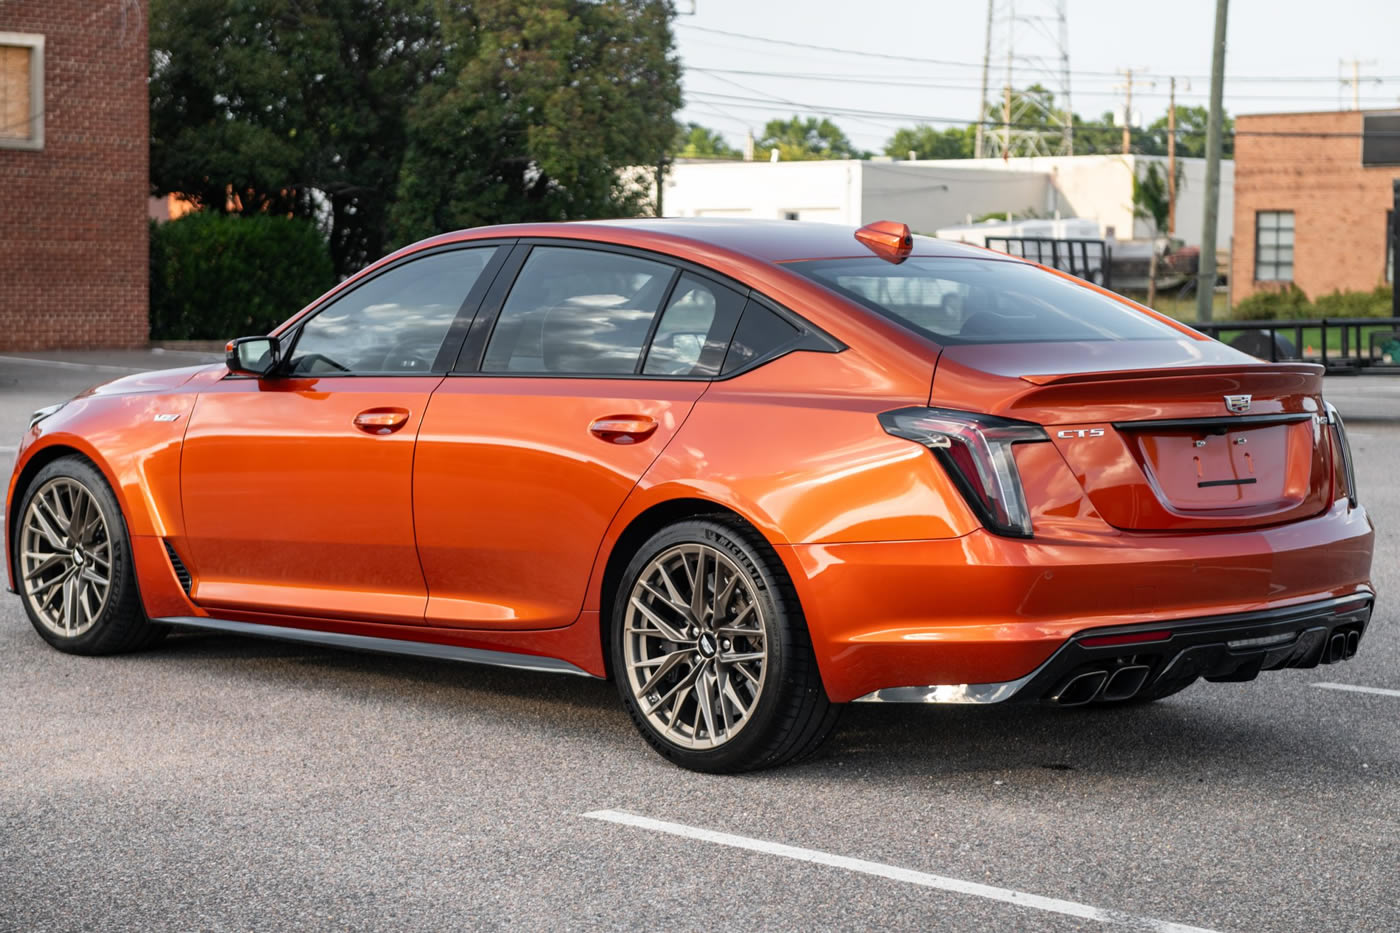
pixel 577 311
pixel 959 301
pixel 760 332
pixel 393 324
pixel 694 330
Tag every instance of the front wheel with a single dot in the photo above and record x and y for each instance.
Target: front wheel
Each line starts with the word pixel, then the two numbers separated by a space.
pixel 711 652
pixel 74 563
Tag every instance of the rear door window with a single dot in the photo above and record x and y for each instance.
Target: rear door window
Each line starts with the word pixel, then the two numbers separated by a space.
pixel 959 301
pixel 694 330
pixel 577 312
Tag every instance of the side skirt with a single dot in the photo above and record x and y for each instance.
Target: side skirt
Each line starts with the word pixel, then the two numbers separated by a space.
pixel 525 662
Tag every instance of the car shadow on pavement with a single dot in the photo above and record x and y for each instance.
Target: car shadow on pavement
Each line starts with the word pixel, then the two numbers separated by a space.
pixel 1209 733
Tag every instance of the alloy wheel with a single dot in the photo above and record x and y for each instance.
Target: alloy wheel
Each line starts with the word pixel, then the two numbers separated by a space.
pixel 65 557
pixel 695 646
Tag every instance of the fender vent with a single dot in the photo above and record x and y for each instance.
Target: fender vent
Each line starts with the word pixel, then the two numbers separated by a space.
pixel 178 566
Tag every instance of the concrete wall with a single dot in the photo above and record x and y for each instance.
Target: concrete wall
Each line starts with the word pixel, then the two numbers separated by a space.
pixel 927 196
pixel 1339 206
pixel 826 191
pixel 73 252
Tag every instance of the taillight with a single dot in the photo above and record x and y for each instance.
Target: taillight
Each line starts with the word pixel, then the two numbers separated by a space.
pixel 976 451
pixel 1343 449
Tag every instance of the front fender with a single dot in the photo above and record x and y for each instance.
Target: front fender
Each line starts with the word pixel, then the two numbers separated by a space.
pixel 137 455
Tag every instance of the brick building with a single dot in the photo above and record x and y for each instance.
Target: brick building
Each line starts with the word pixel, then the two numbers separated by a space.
pixel 74 148
pixel 1312 203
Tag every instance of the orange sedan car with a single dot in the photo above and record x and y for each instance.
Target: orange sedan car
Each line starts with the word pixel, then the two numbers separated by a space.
pixel 751 471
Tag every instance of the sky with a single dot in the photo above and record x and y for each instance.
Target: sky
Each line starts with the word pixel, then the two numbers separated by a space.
pixel 1281 55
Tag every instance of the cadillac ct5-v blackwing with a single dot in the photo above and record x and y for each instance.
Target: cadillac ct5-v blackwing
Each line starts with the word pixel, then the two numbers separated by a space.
pixel 751 471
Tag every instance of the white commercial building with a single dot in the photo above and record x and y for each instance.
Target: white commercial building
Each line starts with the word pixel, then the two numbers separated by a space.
pixel 931 194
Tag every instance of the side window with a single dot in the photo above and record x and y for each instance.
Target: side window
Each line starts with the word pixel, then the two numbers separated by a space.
pixel 694 330
pixel 760 332
pixel 393 324
pixel 577 312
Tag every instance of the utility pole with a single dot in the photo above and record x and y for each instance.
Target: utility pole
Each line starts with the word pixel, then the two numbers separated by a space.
pixel 1395 248
pixel 1006 124
pixel 1171 161
pixel 1205 284
pixel 1128 111
pixel 979 148
pixel 1355 81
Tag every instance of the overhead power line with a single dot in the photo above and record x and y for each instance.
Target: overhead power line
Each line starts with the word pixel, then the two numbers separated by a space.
pixel 887 56
pixel 918 83
pixel 770 104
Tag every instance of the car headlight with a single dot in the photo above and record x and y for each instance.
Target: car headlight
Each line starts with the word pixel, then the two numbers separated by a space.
pixel 41 413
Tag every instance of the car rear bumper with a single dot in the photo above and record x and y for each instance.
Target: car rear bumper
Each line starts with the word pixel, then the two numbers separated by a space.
pixel 987 610
pixel 1091 666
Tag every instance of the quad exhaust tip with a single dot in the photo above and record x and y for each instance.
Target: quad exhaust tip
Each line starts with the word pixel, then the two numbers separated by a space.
pixel 1081 689
pixel 1124 683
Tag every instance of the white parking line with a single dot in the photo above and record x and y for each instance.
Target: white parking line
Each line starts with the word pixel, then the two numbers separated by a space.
pixel 879 870
pixel 1352 688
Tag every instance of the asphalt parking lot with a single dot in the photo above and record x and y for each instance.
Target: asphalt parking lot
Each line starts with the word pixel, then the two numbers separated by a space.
pixel 219 783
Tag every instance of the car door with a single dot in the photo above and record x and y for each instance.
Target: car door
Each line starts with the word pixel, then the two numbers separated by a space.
pixel 297 489
pixel 593 362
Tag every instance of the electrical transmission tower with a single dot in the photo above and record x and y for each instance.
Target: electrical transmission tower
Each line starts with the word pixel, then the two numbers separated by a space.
pixel 1027 47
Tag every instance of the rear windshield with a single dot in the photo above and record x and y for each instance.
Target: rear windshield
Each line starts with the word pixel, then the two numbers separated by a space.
pixel 958 301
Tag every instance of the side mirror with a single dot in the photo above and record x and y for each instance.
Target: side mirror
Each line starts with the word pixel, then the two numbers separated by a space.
pixel 253 356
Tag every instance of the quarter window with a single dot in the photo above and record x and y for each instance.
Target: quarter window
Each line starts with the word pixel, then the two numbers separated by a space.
pixel 577 312
pixel 760 333
pixel 1273 246
pixel 395 323
pixel 21 91
pixel 694 330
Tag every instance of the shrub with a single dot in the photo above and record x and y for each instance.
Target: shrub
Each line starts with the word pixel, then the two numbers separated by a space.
pixel 216 276
pixel 1375 303
pixel 1289 304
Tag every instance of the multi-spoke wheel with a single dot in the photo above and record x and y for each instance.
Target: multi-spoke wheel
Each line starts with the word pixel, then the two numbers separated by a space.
pixel 74 564
pixel 711 652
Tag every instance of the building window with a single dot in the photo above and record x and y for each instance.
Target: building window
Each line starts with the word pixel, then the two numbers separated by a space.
pixel 21 90
pixel 1273 246
pixel 1390 237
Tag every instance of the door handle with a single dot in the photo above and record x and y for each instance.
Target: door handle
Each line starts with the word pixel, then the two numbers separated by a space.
pixel 623 429
pixel 381 420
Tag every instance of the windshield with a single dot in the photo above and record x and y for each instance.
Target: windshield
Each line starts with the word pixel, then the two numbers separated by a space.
pixel 958 301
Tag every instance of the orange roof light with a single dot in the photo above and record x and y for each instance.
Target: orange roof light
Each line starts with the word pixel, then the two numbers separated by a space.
pixel 887 239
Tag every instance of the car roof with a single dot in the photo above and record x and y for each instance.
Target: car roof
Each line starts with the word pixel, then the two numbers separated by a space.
pixel 769 240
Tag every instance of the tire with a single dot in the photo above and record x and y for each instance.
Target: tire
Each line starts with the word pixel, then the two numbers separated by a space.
pixel 760 701
pixel 60 566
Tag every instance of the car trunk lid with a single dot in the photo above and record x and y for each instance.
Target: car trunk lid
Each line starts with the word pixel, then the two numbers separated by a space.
pixel 1161 434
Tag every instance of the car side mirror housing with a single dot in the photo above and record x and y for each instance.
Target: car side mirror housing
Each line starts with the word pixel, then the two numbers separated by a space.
pixel 253 356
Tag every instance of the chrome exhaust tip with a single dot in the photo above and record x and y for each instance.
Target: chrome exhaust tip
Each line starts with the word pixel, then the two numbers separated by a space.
pixel 1124 683
pixel 1353 642
pixel 1336 648
pixel 1080 689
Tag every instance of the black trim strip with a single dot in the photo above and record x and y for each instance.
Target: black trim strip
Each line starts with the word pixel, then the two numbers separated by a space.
pixel 1226 482
pixel 1215 424
pixel 420 649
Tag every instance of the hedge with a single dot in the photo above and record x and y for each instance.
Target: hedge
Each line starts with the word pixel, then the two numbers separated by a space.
pixel 216 276
pixel 1292 304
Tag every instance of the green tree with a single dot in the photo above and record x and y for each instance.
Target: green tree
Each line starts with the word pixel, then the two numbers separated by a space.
pixel 1151 203
pixel 290 106
pixel 1191 133
pixel 928 143
pixel 801 140
pixel 694 141
pixel 537 110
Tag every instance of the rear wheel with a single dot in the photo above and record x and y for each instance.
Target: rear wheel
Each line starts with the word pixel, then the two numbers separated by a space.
pixel 74 564
pixel 711 651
